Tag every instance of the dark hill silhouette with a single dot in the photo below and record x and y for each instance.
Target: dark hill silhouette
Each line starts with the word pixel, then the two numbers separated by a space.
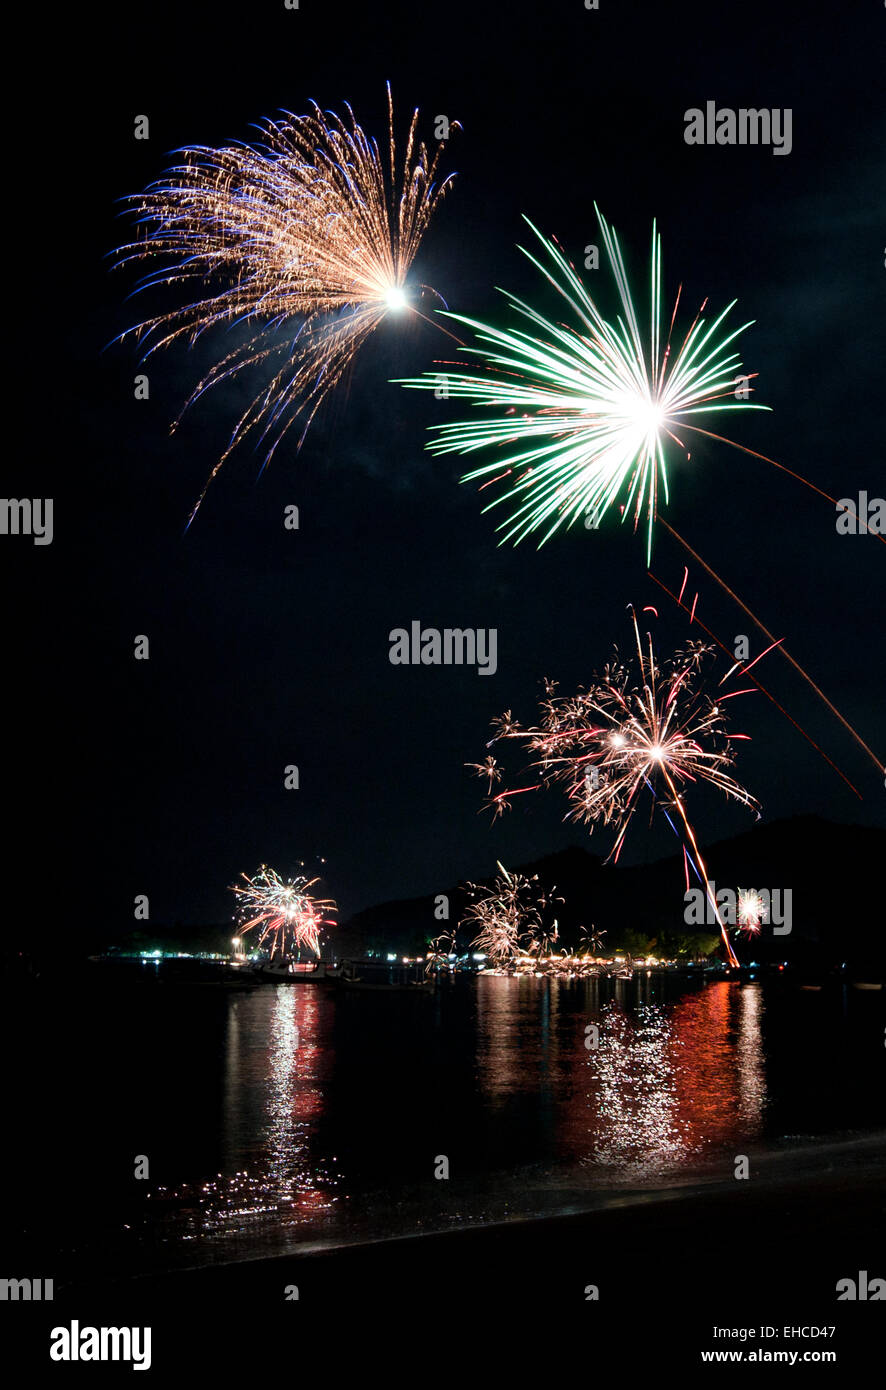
pixel 831 871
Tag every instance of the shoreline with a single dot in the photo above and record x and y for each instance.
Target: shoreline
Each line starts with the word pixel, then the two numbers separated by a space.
pixel 841 1175
pixel 652 1280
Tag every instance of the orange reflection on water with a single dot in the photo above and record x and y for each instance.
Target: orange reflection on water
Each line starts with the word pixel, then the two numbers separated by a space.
pixel 666 1085
pixel 721 1087
pixel 517 1034
pixel 672 1084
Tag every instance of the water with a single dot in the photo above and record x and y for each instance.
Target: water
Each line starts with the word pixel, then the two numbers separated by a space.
pixel 298 1116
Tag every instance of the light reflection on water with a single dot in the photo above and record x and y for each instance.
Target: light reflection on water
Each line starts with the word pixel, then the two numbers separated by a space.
pixel 676 1082
pixel 273 1097
pixel 665 1084
pixel 632 1103
pixel 332 1108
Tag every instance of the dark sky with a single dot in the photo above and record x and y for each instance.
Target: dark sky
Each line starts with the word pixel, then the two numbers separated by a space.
pixel 270 648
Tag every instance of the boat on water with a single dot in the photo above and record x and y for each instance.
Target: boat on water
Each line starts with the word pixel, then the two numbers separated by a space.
pixel 385 977
pixel 286 971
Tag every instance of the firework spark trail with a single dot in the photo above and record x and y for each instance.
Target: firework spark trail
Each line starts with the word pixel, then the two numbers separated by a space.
pixel 850 511
pixel 599 404
pixel 582 412
pixel 306 237
pixel 687 857
pixel 637 723
pixel 508 914
pixel 878 762
pixel 678 801
pixel 745 672
pixel 699 874
pixel 289 916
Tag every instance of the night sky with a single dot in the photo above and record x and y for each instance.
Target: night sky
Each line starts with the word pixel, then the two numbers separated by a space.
pixel 267 647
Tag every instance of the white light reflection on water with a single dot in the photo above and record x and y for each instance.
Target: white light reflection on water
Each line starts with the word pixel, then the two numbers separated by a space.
pixel 749 1050
pixel 272 1096
pixel 674 1084
pixel 499 1070
pixel 636 1125
pixel 669 1087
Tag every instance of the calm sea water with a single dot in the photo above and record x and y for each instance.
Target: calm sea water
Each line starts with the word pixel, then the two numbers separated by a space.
pixel 296 1116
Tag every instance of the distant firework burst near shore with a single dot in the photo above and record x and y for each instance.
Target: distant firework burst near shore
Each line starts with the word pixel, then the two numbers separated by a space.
pixel 642 725
pixel 751 912
pixel 287 916
pixel 581 415
pixel 508 916
pixel 304 239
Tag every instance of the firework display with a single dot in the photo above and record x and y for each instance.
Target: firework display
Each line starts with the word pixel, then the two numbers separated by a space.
pixel 299 244
pixel 642 725
pixel 509 916
pixel 288 917
pixel 518 937
pixel 751 912
pixel 302 241
pixel 445 608
pixel 577 417
pixel 581 413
